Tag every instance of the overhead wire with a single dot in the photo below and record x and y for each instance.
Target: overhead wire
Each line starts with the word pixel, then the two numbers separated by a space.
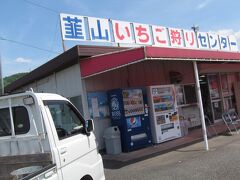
pixel 54 37
pixel 41 6
pixel 49 9
pixel 32 46
pixel 27 45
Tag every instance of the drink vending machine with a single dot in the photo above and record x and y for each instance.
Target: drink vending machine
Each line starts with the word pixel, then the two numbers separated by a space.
pixel 128 111
pixel 164 117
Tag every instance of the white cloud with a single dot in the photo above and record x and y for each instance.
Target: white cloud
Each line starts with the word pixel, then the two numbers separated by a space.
pixel 23 60
pixel 227 32
pixel 203 4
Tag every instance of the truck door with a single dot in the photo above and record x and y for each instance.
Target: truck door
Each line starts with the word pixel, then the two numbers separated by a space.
pixel 75 148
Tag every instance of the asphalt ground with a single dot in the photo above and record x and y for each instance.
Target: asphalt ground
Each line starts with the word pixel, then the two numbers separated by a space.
pixel 221 162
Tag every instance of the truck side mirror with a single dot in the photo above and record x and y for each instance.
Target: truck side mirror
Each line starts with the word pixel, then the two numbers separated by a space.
pixel 89 126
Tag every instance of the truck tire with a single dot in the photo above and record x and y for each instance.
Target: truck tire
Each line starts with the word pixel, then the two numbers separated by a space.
pixel 87 177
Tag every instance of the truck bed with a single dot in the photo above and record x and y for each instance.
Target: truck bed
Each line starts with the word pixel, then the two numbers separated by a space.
pixel 10 163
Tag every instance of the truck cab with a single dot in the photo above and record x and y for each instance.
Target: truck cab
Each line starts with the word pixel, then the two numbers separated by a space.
pixel 43 136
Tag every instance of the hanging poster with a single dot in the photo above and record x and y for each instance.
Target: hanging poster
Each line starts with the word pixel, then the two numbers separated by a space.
pixel 98 105
pixel 214 86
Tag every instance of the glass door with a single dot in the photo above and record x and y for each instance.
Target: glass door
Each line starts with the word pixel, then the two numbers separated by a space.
pixel 215 96
pixel 227 81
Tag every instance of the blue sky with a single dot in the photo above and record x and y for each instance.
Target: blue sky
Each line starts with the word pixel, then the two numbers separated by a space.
pixel 36 23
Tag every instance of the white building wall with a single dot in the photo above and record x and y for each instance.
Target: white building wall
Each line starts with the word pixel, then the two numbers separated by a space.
pixel 46 85
pixel 67 83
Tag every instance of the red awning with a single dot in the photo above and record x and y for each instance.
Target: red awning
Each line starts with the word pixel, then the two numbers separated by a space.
pixel 102 63
pixel 156 52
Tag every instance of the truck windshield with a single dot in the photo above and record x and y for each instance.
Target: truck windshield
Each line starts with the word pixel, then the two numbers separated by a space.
pixel 68 121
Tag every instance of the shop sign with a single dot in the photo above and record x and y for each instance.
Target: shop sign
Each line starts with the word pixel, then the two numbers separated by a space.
pixel 214 41
pixel 122 32
pixel 142 34
pixel 176 37
pixel 203 42
pixel 81 28
pixel 99 30
pixel 233 43
pixel 224 43
pixel 160 36
pixel 73 27
pixel 190 39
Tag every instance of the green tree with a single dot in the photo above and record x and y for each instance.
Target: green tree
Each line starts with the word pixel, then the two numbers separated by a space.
pixel 10 79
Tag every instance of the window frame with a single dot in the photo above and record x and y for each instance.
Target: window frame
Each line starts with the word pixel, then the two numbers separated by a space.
pixel 73 108
pixel 12 122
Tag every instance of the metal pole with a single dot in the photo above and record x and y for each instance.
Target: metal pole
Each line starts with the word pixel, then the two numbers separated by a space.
pixel 63 44
pixel 1 77
pixel 199 96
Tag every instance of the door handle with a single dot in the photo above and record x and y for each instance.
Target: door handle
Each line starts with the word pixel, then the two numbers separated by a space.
pixel 49 174
pixel 63 150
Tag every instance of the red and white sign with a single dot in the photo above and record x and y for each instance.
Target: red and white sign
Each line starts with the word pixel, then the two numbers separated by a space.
pixel 99 29
pixel 213 41
pixel 160 36
pixel 203 42
pixel 224 43
pixel 233 43
pixel 142 34
pixel 190 39
pixel 122 32
pixel 176 37
pixel 111 31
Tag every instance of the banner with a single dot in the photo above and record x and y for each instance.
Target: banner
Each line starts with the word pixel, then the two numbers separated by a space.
pixel 82 28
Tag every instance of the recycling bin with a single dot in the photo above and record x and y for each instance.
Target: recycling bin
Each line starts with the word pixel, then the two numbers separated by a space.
pixel 112 140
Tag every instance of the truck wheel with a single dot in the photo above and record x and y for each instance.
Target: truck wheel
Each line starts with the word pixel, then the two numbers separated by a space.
pixel 87 177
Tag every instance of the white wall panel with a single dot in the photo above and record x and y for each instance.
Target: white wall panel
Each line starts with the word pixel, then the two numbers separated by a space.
pixel 68 81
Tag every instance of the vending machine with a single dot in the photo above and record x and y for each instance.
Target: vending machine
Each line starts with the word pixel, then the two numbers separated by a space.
pixel 164 117
pixel 128 111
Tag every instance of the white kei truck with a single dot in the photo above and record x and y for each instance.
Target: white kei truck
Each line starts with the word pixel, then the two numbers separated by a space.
pixel 43 136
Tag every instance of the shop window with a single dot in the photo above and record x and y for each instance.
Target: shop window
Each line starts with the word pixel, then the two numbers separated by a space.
pixel 186 94
pixel 225 87
pixel 214 86
pixel 217 109
pixel 20 121
pixel 232 78
pixel 229 103
pixel 227 81
pixel 190 94
pixel 180 94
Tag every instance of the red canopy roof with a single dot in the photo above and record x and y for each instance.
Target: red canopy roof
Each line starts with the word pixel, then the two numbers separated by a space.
pixel 106 62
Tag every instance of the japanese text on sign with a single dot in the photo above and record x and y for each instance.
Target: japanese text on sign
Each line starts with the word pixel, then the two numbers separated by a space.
pixel 81 28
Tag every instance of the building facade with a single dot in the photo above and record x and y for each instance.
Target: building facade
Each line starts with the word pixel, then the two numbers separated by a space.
pixel 84 72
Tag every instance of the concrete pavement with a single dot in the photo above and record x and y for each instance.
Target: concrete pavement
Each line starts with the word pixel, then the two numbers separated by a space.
pixel 222 161
pixel 194 136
